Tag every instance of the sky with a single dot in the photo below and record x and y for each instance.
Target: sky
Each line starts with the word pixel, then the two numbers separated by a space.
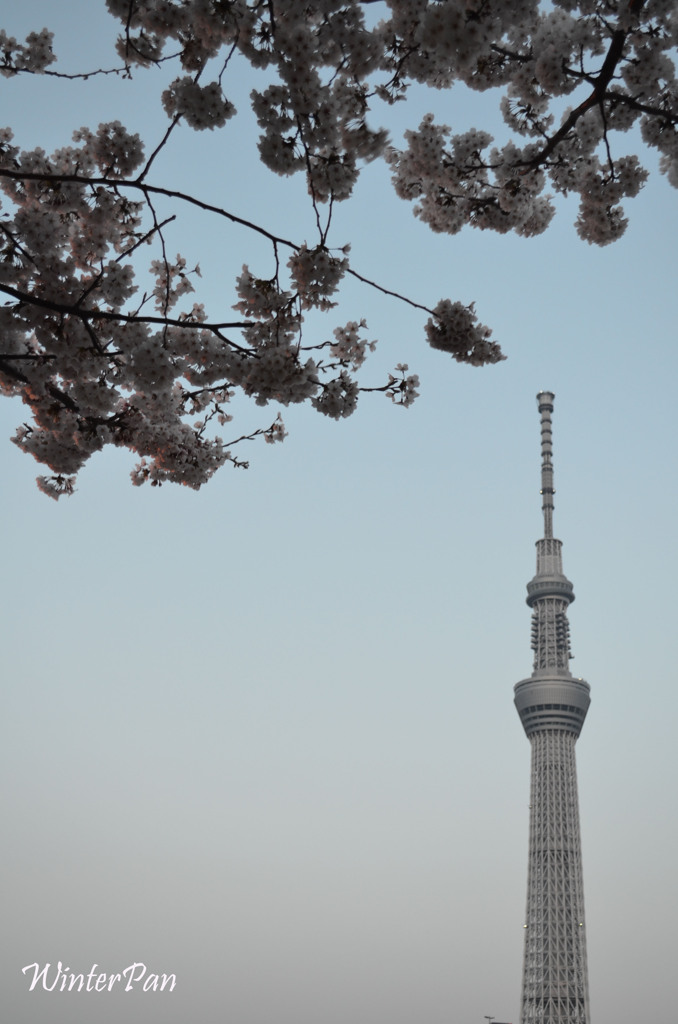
pixel 261 736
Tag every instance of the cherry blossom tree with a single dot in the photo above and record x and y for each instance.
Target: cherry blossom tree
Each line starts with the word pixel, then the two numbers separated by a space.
pixel 101 361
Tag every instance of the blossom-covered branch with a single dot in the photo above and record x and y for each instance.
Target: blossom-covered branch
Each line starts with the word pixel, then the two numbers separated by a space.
pixel 106 348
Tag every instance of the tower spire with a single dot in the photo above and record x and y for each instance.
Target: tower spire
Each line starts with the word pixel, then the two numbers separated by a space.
pixel 545 400
pixel 552 706
pixel 550 628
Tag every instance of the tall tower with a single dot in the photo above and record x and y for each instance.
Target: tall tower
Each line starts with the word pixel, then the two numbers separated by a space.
pixel 552 705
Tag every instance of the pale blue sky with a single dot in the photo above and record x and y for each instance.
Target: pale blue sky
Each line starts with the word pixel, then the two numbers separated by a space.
pixel 262 736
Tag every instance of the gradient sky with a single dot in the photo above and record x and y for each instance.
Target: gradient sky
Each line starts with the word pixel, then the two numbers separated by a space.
pixel 262 736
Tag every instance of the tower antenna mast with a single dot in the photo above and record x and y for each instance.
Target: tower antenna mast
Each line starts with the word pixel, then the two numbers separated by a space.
pixel 545 399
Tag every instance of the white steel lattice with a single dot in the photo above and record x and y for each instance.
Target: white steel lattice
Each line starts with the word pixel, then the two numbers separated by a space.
pixel 555 979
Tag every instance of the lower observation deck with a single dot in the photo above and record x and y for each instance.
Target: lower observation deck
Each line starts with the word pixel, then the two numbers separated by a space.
pixel 552 702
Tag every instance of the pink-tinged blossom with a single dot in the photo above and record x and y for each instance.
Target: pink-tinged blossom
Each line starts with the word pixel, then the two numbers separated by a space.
pixel 402 390
pixel 455 329
pixel 348 347
pixel 201 106
pixel 34 55
pixel 115 151
pixel 316 275
pixel 338 397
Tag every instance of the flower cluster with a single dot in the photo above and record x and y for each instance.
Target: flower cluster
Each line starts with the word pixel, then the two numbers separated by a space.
pixel 112 149
pixel 454 328
pixel 402 390
pixel 316 275
pixel 338 397
pixel 348 347
pixel 171 281
pixel 202 106
pixel 34 55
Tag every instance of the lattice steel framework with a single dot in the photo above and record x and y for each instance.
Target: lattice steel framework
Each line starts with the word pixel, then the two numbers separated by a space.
pixel 552 705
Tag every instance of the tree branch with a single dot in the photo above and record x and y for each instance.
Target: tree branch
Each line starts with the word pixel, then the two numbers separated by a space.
pixel 602 80
pixel 26 299
pixel 141 186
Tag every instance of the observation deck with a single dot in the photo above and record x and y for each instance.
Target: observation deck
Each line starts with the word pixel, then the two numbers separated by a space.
pixel 555 701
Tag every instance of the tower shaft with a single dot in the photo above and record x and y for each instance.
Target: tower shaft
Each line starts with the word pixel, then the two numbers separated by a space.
pixel 552 705
pixel 555 978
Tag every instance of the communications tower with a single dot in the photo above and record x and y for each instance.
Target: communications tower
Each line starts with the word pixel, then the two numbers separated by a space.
pixel 552 705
